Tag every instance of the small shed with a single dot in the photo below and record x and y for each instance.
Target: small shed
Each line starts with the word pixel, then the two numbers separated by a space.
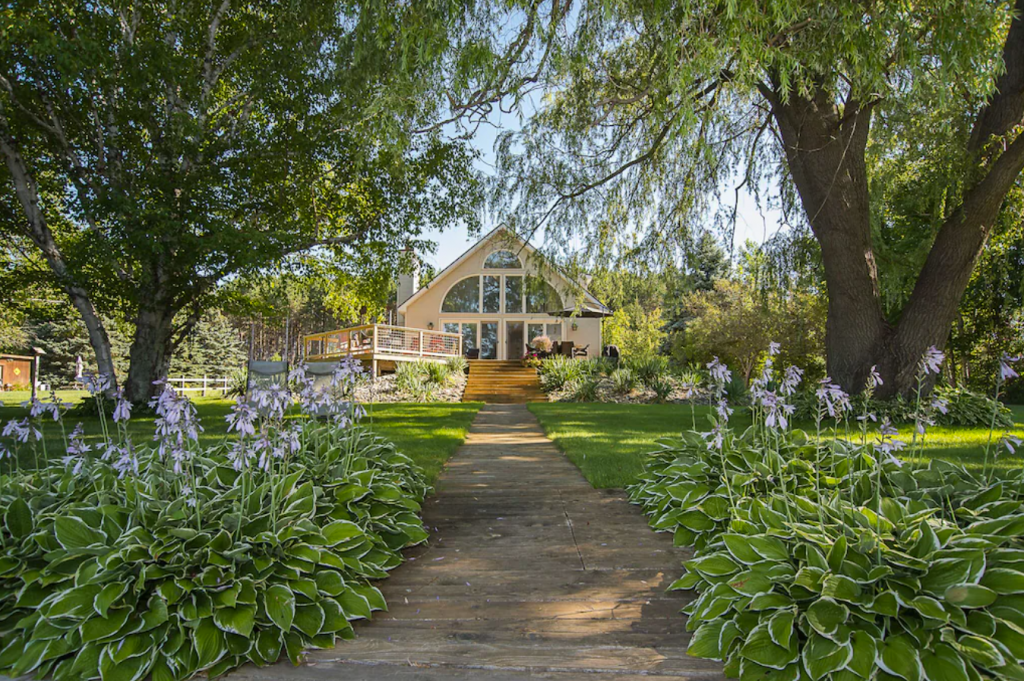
pixel 16 372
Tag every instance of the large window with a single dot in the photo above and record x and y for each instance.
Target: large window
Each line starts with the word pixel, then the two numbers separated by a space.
pixel 541 296
pixel 492 295
pixel 463 297
pixel 513 294
pixel 502 260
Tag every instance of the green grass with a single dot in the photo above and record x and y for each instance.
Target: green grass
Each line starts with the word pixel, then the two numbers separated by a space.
pixel 428 433
pixel 609 442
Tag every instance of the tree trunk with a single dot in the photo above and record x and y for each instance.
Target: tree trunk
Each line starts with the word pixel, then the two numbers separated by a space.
pixel 825 150
pixel 150 353
pixel 39 232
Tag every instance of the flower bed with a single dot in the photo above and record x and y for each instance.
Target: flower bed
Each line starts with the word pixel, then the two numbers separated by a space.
pixel 630 381
pixel 828 558
pixel 168 559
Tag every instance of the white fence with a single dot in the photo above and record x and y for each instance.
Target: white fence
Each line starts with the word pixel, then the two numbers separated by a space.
pixel 200 385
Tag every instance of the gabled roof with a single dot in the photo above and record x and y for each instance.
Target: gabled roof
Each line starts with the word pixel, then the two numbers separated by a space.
pixel 523 246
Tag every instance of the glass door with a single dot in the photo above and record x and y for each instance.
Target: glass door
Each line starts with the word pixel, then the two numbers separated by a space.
pixel 515 339
pixel 489 340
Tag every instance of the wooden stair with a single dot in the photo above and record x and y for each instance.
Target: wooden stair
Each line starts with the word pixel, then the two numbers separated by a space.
pixel 502 382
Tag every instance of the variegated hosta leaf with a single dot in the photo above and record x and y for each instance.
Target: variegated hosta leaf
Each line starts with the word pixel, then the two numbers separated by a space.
pixel 835 565
pixel 91 589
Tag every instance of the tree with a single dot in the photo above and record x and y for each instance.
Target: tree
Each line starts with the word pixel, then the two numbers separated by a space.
pixel 638 331
pixel 736 321
pixel 651 107
pixel 153 150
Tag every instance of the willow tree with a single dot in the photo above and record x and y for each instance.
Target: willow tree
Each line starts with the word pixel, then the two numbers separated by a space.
pixel 649 108
pixel 152 150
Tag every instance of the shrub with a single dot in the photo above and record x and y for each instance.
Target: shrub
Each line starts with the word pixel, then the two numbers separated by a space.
pixel 662 387
pixel 584 389
pixel 647 368
pixel 166 560
pixel 557 372
pixel 829 559
pixel 439 373
pixel 411 379
pixel 624 381
pixel 542 343
pixel 457 365
pixel 834 562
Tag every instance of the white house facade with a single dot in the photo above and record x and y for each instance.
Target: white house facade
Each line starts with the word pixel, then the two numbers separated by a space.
pixel 499 296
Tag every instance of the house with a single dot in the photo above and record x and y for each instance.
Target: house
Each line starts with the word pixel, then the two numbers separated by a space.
pixel 488 304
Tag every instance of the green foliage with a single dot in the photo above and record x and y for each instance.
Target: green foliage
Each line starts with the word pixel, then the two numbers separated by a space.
pixel 583 389
pixel 166 149
pixel 422 379
pixel 824 562
pixel 624 381
pixel 214 348
pixel 457 365
pixel 737 320
pixel 662 387
pixel 263 566
pixel 637 331
pixel 558 372
pixel 648 368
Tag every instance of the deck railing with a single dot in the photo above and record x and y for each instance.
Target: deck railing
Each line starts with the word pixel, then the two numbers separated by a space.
pixel 372 340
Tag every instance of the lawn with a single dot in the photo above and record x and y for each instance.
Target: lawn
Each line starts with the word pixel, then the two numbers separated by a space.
pixel 428 433
pixel 608 442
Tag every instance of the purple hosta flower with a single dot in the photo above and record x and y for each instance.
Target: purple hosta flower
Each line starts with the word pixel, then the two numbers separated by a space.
pixel 932 361
pixel 773 348
pixel 5 453
pixel 1006 370
pixel 76 445
pixel 922 422
pixel 293 438
pixel 869 416
pixel 75 463
pixel 874 379
pixel 724 410
pixel 239 455
pixel 940 404
pixel 778 414
pixel 720 374
pixel 1011 443
pixel 122 408
pixel 22 431
pixel 98 384
pixel 273 400
pixel 300 378
pixel 886 444
pixel 715 438
pixel 791 380
pixel 127 462
pixel 176 426
pixel 833 398
pixel 37 408
pixel 189 496
pixel 242 418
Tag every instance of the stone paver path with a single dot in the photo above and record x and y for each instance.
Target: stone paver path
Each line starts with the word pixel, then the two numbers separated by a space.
pixel 530 573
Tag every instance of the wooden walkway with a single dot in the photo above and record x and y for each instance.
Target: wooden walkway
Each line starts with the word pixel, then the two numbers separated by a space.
pixel 530 574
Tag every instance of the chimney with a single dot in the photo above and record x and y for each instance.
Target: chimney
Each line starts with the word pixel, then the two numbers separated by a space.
pixel 408 278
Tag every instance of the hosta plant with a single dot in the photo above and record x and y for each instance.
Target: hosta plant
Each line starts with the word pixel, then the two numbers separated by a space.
pixel 165 560
pixel 827 558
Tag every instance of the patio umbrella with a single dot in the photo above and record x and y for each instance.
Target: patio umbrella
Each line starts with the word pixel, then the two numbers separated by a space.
pixel 585 310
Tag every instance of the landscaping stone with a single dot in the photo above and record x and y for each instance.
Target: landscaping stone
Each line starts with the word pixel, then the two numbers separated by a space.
pixel 384 389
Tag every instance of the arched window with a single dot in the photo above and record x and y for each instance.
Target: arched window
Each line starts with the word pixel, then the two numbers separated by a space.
pixel 502 260
pixel 541 296
pixel 463 296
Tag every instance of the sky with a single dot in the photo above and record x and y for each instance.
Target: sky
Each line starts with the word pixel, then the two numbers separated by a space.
pixel 453 240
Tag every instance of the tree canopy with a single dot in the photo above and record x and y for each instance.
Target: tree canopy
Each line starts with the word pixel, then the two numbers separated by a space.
pixel 150 151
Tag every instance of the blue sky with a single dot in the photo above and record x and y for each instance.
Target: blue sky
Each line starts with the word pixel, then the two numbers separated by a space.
pixel 453 241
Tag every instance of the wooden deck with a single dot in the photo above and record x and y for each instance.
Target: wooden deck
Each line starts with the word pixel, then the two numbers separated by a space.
pixel 378 343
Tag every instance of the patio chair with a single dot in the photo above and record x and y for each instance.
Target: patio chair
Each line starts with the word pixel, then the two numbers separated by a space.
pixel 473 353
pixel 580 352
pixel 565 348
